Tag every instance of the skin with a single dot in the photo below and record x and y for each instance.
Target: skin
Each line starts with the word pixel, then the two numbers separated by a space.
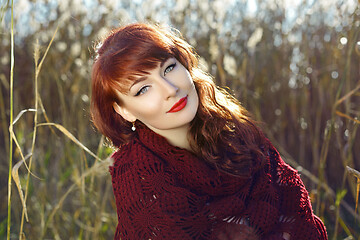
pixel 151 97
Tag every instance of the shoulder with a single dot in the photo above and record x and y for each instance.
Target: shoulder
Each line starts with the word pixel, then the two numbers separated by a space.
pixel 129 155
pixel 275 159
pixel 121 157
pixel 280 171
pixel 131 159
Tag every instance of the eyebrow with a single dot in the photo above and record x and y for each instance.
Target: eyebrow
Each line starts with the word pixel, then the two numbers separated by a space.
pixel 141 79
pixel 163 62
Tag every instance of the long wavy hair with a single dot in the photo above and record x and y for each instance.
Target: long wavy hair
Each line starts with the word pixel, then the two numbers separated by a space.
pixel 222 132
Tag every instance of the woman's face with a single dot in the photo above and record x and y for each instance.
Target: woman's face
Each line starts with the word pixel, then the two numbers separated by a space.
pixel 165 99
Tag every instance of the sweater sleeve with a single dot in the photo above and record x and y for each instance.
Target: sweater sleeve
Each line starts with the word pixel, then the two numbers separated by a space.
pixel 297 220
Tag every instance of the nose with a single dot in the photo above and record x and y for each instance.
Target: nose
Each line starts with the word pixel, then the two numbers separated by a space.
pixel 169 89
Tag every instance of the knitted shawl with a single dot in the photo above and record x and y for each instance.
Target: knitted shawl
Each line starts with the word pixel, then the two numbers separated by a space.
pixel 165 192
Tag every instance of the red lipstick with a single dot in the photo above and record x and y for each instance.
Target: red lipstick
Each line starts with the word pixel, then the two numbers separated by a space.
pixel 178 105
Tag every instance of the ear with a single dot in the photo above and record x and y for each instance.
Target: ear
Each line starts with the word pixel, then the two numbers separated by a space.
pixel 124 113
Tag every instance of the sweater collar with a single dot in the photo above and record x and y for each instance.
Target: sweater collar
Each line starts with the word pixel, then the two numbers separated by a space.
pixel 159 145
pixel 191 170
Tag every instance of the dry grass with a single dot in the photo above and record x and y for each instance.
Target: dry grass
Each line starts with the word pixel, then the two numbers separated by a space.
pixel 305 92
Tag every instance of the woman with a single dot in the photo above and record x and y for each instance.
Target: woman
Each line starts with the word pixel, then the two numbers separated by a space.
pixel 191 163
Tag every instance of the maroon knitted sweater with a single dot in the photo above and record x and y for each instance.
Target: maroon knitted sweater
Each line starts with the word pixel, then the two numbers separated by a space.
pixel 164 192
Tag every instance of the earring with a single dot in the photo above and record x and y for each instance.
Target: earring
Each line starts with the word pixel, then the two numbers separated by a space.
pixel 133 128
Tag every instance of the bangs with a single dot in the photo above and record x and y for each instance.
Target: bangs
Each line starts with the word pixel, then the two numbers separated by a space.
pixel 139 65
pixel 131 52
pixel 139 68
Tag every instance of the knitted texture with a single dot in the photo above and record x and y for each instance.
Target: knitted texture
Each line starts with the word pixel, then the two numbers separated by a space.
pixel 164 192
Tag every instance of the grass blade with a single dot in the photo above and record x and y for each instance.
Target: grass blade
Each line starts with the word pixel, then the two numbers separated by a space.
pixel 357 175
pixel 15 175
pixel 347 116
pixel 348 95
pixel 16 141
pixel 22 155
pixel 71 137
pixel 12 63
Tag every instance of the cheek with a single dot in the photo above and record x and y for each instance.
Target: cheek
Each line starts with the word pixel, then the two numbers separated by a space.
pixel 147 109
pixel 185 80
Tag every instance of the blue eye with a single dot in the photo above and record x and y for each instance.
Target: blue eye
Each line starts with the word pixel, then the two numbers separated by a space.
pixel 169 68
pixel 142 90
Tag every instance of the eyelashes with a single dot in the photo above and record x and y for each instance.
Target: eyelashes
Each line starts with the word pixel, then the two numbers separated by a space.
pixel 142 90
pixel 169 68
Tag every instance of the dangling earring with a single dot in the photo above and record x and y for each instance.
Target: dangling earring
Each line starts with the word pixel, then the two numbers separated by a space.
pixel 133 128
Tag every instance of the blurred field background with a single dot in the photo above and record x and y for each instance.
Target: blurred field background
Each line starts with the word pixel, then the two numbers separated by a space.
pixel 295 65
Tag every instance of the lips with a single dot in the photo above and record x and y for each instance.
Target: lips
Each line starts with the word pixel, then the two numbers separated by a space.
pixel 179 105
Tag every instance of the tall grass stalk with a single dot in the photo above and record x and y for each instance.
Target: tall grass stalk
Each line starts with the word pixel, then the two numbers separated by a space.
pixel 37 72
pixel 325 148
pixel 352 37
pixel 12 63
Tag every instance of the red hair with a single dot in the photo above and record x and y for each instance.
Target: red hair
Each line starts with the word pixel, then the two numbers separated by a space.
pixel 222 133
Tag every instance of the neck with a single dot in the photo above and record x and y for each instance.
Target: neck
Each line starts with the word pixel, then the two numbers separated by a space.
pixel 177 137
